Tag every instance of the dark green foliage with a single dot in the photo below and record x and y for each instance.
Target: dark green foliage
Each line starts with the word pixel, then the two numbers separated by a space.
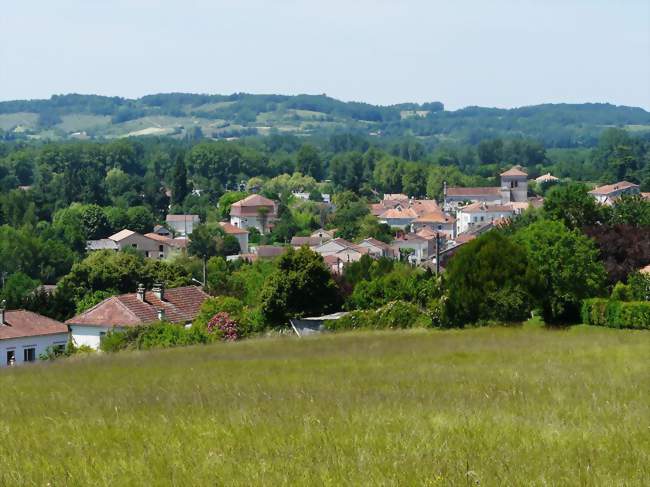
pixel 616 314
pixel 572 204
pixel 300 286
pixel 490 279
pixel 393 315
pixel 156 335
pixel 180 188
pixel 566 263
pixel 16 289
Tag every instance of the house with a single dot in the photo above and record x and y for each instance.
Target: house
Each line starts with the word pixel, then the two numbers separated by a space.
pixel 162 231
pixel 377 248
pixel 334 264
pixel 313 324
pixel 342 249
pixel 323 234
pixel 178 305
pixel 420 248
pixel 254 211
pixel 25 335
pixel 241 234
pixel 167 245
pixel 436 221
pixel 607 194
pixel 546 178
pixel 182 224
pixel 514 188
pixel 152 245
pixel 479 214
pixel 398 217
pixel 311 242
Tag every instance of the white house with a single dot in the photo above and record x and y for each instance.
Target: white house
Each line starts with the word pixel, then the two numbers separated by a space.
pixel 25 335
pixel 608 193
pixel 438 222
pixel 377 248
pixel 241 234
pixel 152 245
pixel 177 305
pixel 421 248
pixel 398 217
pixel 182 224
pixel 254 211
pixel 479 214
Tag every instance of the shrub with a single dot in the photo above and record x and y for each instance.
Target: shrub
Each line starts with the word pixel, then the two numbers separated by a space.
pixel 225 327
pixel 622 292
pixel 639 286
pixel 616 314
pixel 396 314
pixel 354 320
pixel 156 335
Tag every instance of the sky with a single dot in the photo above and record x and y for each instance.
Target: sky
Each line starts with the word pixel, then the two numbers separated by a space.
pixel 461 52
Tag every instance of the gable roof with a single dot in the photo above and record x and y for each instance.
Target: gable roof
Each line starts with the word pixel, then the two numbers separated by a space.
pixel 231 229
pixel 309 241
pixel 270 251
pixel 611 188
pixel 21 323
pixel 515 171
pixel 480 206
pixel 157 237
pixel 254 200
pixel 375 243
pixel 546 177
pixel 435 217
pixel 121 235
pixel 483 191
pixel 426 233
pixel 395 213
pixel 181 304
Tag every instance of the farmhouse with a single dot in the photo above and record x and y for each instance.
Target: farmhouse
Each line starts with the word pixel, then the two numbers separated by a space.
pixel 182 224
pixel 25 335
pixel 607 194
pixel 152 245
pixel 177 305
pixel 254 211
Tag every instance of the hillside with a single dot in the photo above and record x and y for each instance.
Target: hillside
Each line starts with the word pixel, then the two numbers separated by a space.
pixel 224 116
pixel 490 406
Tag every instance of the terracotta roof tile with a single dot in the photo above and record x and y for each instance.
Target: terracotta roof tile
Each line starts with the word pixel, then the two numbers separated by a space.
pixel 486 191
pixel 514 171
pixel 231 229
pixel 610 188
pixel 21 323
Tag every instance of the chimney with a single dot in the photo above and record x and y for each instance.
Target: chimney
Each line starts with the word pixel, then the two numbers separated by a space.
pixel 161 314
pixel 3 305
pixel 159 291
pixel 140 292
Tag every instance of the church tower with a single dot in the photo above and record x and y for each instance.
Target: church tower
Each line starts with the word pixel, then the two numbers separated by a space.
pixel 514 185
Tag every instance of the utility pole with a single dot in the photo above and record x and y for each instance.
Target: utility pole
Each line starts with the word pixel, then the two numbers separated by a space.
pixel 437 253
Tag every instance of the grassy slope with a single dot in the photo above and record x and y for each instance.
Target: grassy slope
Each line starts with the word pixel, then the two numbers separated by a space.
pixel 498 406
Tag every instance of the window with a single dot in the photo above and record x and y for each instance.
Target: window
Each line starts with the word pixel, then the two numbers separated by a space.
pixel 146 254
pixel 29 354
pixel 160 248
pixel 11 357
pixel 135 246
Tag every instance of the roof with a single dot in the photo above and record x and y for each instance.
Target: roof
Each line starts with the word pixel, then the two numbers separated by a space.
pixel 181 304
pixel 250 206
pixel 426 233
pixel 612 188
pixel 376 243
pixel 408 237
pixel 181 218
pixel 21 323
pixel 515 171
pixel 424 206
pixel 160 228
pixel 309 241
pixel 480 206
pixel 157 237
pixel 270 251
pixel 254 200
pixel 395 213
pixel 546 177
pixel 435 217
pixel 231 229
pixel 484 191
pixel 395 196
pixel 121 235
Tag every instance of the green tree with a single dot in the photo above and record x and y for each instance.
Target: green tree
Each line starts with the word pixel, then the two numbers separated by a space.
pixel 179 181
pixel 631 210
pixel 567 265
pixel 490 278
pixel 308 162
pixel 573 205
pixel 226 201
pixel 301 286
pixel 17 288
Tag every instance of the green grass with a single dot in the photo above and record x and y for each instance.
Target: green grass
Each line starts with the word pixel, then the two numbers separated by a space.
pixel 491 406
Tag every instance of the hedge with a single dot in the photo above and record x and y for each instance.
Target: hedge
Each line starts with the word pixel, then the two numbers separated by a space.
pixel 396 314
pixel 616 314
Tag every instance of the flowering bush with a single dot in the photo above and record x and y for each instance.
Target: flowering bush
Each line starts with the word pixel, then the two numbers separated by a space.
pixel 225 326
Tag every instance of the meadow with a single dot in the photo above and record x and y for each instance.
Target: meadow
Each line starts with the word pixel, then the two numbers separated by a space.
pixel 490 406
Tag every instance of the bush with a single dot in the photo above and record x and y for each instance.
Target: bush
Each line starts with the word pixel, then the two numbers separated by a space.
pixel 396 314
pixel 639 286
pixel 156 335
pixel 616 314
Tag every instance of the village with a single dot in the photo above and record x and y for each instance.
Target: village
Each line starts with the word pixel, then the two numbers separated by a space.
pixel 426 234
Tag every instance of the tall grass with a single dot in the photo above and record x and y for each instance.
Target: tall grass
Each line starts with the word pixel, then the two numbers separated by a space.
pixel 473 407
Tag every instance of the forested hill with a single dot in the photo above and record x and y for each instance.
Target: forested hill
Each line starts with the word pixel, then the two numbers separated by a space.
pixel 223 116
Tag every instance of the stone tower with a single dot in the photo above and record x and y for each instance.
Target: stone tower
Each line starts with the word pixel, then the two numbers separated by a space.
pixel 514 185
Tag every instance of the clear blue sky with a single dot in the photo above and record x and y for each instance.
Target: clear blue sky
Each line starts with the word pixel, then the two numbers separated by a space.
pixel 461 52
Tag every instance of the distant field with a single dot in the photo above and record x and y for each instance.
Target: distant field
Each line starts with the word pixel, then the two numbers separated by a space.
pixel 476 407
pixel 10 120
pixel 79 122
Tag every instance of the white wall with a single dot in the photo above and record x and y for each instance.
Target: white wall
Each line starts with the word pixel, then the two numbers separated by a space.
pixel 88 335
pixel 40 342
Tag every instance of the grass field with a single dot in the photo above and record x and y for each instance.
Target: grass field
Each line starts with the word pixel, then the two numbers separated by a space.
pixel 492 406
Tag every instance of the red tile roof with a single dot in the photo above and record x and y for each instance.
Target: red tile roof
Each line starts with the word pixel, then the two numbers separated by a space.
pixel 181 218
pixel 486 191
pixel 21 323
pixel 395 213
pixel 435 217
pixel 514 171
pixel 231 229
pixel 250 206
pixel 308 241
pixel 181 304
pixel 480 206
pixel 270 251
pixel 610 188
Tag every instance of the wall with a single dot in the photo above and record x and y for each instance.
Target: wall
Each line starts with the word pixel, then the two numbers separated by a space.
pixel 88 335
pixel 467 221
pixel 19 344
pixel 148 246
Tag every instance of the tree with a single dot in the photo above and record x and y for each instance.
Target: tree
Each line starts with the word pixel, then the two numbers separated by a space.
pixel 300 286
pixel 226 201
pixel 567 264
pixel 631 210
pixel 16 288
pixel 141 219
pixel 308 162
pixel 203 245
pixel 573 205
pixel 490 278
pixel 179 181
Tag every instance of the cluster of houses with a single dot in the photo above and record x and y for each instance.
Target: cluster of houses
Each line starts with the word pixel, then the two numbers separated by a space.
pixel 25 336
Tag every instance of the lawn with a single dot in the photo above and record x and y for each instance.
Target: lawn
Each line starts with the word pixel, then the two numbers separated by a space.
pixel 491 406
